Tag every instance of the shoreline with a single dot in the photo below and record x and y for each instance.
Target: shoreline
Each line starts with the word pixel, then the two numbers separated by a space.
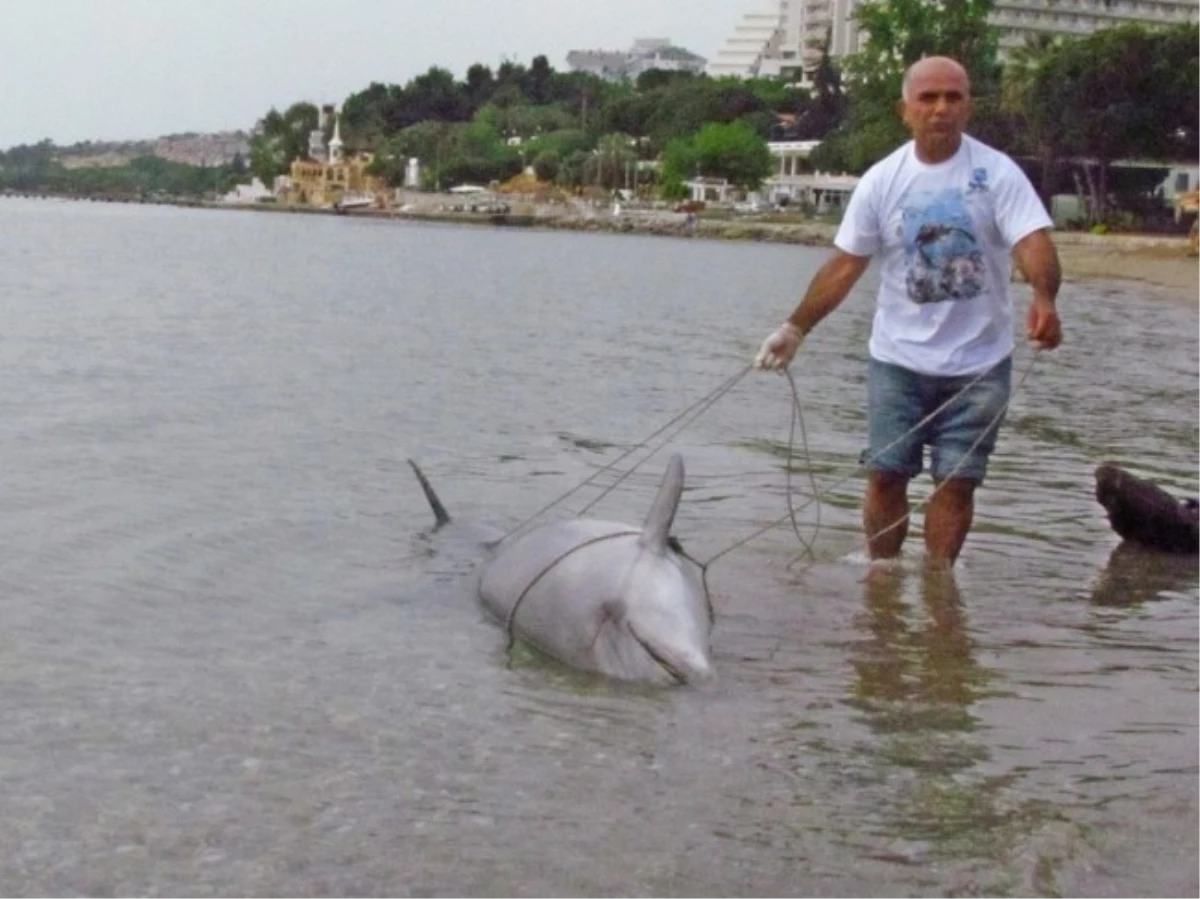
pixel 1160 261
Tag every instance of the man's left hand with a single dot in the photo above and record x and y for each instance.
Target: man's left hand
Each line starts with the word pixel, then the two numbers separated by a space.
pixel 1043 327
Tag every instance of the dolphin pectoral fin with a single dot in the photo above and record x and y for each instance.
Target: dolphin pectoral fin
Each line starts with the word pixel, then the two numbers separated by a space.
pixel 439 511
pixel 657 527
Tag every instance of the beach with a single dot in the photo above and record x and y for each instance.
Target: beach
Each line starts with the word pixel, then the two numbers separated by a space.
pixel 1161 261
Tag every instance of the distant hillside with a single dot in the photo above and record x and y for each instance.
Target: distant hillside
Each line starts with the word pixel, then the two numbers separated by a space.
pixel 193 149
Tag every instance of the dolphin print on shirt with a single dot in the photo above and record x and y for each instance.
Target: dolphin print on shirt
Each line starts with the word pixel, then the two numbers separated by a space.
pixel 942 255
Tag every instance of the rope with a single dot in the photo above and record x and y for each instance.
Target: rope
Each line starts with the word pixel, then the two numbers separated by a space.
pixel 512 613
pixel 995 423
pixel 798 416
pixel 700 406
pixel 924 421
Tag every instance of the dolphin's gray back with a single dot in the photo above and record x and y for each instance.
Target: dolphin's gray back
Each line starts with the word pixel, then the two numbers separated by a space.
pixel 657 527
pixel 505 579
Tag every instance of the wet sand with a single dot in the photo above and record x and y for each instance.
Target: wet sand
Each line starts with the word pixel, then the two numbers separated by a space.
pixel 1160 261
pixel 1162 264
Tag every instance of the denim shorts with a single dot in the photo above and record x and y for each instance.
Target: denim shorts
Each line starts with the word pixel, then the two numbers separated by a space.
pixel 898 399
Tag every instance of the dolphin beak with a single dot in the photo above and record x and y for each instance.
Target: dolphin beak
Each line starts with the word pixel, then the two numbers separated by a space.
pixel 684 665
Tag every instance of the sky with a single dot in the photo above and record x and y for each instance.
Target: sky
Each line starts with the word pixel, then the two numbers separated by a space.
pixel 76 70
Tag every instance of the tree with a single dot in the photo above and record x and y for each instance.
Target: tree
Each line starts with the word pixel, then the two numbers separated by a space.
pixel 479 85
pixel 435 95
pixel 609 164
pixel 1034 134
pixel 828 104
pixel 1126 92
pixel 899 33
pixel 538 80
pixel 732 151
pixel 280 138
pixel 546 166
pixel 365 114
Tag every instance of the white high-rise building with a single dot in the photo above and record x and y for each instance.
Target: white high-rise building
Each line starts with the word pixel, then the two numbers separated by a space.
pixel 785 35
pixel 1020 19
pixel 646 53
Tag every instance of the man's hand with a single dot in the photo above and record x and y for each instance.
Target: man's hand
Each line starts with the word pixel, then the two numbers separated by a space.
pixel 1038 260
pixel 779 348
pixel 1043 327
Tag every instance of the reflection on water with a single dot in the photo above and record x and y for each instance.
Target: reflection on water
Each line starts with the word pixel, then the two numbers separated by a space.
pixel 917 682
pixel 1135 575
pixel 236 661
pixel 917 671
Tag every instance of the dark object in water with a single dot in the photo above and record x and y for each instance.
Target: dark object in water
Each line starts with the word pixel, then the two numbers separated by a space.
pixel 1146 514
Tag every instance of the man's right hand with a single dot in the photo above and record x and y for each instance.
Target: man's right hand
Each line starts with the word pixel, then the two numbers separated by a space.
pixel 779 348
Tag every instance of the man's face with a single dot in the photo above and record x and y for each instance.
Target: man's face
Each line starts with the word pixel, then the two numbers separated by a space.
pixel 936 108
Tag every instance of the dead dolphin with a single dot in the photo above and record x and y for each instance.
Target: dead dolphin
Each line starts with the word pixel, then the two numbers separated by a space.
pixel 1144 513
pixel 603 596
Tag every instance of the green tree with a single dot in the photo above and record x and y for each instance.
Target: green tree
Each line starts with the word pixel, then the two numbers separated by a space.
pixel 899 33
pixel 547 165
pixel 435 95
pixel 538 81
pixel 1126 92
pixel 280 138
pixel 733 151
pixel 479 85
pixel 365 114
pixel 609 165
pixel 827 107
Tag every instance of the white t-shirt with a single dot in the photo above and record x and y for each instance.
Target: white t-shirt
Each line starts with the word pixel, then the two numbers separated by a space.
pixel 946 234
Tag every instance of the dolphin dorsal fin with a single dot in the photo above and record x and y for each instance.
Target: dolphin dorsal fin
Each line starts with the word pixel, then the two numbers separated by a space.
pixel 662 512
pixel 439 511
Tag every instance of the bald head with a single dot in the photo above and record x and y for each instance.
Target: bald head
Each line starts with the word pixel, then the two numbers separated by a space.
pixel 935 106
pixel 933 68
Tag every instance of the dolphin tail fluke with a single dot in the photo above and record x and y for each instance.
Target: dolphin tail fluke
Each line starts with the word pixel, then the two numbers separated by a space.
pixel 439 511
pixel 657 528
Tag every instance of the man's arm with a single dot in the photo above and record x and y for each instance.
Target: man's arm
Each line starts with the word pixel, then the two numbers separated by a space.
pixel 1037 258
pixel 829 286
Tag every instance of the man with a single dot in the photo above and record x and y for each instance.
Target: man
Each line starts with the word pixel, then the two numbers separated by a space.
pixel 947 214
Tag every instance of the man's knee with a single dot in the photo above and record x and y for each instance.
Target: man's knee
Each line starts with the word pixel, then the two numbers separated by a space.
pixel 887 484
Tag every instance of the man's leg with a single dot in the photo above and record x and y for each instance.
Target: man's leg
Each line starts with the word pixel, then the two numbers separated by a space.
pixel 948 519
pixel 963 439
pixel 885 514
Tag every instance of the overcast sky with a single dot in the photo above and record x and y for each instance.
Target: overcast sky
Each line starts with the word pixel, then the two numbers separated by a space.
pixel 74 70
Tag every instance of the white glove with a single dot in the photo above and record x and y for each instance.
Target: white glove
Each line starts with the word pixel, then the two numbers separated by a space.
pixel 778 349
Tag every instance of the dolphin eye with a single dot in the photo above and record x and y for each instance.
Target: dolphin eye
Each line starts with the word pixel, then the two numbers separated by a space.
pixel 673 542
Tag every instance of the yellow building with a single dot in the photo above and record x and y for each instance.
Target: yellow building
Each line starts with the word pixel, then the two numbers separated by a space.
pixel 334 180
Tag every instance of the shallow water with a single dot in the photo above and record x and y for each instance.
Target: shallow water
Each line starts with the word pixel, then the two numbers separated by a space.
pixel 235 661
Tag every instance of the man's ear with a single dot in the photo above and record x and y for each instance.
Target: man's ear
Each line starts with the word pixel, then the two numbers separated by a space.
pixel 901 108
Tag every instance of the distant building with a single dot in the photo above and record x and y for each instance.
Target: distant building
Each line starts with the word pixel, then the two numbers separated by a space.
pixel 784 36
pixel 795 182
pixel 327 177
pixel 644 55
pixel 254 192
